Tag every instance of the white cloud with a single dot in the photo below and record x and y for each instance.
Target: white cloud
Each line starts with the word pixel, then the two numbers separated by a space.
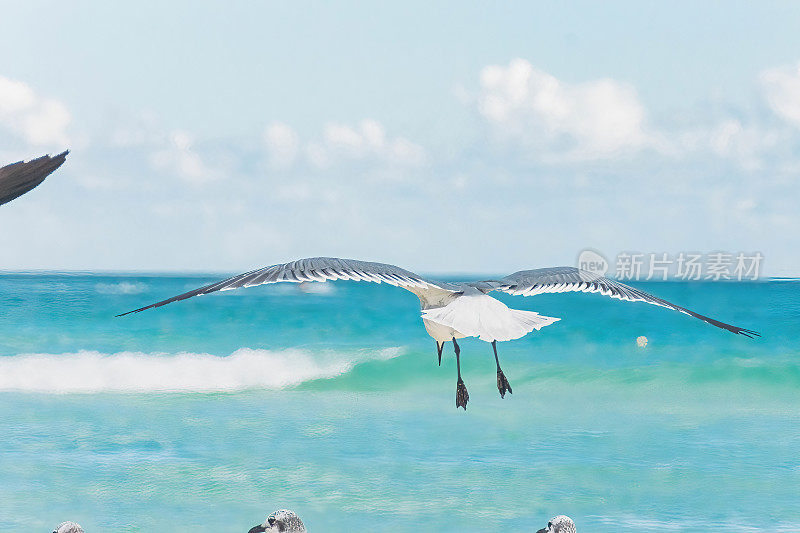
pixel 179 157
pixel 782 90
pixel 282 144
pixel 587 120
pixel 366 141
pixel 748 145
pixel 141 129
pixel 38 121
pixel 358 174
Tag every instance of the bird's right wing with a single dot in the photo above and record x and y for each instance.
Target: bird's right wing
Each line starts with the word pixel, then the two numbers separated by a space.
pixel 313 269
pixel 571 279
pixel 18 178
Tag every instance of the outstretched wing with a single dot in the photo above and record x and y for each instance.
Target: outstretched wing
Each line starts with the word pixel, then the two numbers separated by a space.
pixel 571 279
pixel 312 269
pixel 18 178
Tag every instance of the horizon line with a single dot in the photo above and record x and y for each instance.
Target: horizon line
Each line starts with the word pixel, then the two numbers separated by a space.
pixel 228 273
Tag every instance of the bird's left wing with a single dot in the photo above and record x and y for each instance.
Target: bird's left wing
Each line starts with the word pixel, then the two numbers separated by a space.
pixel 571 279
pixel 18 178
pixel 312 269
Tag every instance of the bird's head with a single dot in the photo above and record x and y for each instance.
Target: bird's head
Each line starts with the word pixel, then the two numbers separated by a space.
pixel 284 520
pixel 559 524
pixel 68 527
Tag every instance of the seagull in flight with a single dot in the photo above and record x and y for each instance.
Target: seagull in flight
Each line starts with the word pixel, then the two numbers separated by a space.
pixel 455 310
pixel 23 176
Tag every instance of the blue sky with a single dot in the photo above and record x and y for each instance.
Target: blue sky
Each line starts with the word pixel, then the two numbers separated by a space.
pixel 455 137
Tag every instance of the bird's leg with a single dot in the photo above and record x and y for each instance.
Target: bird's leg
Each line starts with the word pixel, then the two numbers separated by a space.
pixel 439 348
pixel 462 396
pixel 502 382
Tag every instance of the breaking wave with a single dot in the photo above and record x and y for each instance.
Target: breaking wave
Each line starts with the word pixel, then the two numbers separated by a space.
pixel 91 371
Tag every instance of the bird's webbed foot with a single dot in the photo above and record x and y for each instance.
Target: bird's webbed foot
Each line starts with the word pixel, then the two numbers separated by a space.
pixel 462 396
pixel 503 384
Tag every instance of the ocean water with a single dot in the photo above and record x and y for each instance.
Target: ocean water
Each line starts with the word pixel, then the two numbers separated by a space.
pixel 208 414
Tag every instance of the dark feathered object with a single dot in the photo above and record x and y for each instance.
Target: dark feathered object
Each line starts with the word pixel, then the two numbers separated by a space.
pixel 18 178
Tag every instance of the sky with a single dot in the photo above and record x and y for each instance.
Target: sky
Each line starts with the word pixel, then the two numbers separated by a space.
pixel 442 137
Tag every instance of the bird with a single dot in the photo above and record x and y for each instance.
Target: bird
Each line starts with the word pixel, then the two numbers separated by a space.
pixel 559 524
pixel 23 176
pixel 68 527
pixel 283 520
pixel 454 310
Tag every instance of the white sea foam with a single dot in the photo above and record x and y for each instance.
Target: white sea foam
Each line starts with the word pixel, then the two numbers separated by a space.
pixel 123 287
pixel 90 371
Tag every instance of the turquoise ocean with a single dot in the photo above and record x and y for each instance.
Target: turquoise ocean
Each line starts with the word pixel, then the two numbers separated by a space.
pixel 208 414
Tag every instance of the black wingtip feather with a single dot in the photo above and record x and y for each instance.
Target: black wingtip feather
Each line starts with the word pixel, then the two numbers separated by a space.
pixel 749 333
pixel 184 296
pixel 139 310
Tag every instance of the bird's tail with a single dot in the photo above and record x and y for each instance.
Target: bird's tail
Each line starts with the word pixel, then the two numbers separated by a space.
pixel 487 318
pixel 532 321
